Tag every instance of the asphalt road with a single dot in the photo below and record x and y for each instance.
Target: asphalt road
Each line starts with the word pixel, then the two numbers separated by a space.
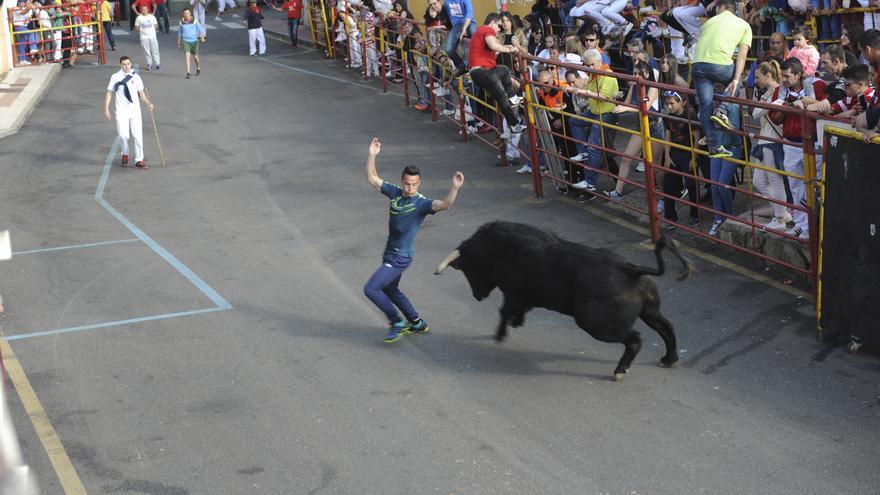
pixel 264 205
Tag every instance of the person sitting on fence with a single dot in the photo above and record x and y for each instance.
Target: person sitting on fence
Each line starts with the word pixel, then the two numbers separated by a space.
pixel 494 78
pixel 461 14
pixel 872 19
pixel 686 20
pixel 681 133
pixel 612 13
pixel 602 110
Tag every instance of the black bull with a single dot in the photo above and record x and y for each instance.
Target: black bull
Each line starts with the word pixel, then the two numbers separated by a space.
pixel 599 288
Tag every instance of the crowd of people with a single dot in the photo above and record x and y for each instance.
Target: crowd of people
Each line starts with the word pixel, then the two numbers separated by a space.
pixel 759 50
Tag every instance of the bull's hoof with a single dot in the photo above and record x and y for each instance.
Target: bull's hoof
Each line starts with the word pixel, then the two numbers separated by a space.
pixel 618 375
pixel 666 362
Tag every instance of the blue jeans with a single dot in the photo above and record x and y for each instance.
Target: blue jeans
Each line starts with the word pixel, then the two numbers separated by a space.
pixel 26 42
pixel 595 137
pixel 162 17
pixel 828 26
pixel 723 171
pixel 382 289
pixel 705 76
pixel 452 40
pixel 293 31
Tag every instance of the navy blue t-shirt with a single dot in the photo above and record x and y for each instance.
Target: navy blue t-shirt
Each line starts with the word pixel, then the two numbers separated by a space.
pixel 406 216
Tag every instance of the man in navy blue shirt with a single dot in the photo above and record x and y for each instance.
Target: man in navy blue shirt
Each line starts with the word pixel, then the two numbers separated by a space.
pixel 408 210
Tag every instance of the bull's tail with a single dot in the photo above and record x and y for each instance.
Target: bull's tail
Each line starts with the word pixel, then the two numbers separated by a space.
pixel 687 267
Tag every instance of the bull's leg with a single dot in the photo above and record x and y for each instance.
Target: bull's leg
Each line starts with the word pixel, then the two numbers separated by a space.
pixel 658 322
pixel 512 311
pixel 633 343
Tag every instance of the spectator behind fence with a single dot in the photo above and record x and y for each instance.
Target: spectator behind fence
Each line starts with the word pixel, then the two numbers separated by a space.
pixel 682 133
pixel 596 86
pixel 792 94
pixel 494 78
pixel 872 19
pixel 634 145
pixel 669 71
pixel 721 36
pixel 769 153
pixel 591 39
pixel 851 40
pixel 866 123
pixel 777 50
pixel 461 14
pixel 804 51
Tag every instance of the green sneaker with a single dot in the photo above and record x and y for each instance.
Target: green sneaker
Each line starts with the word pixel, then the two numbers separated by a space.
pixel 420 327
pixel 397 331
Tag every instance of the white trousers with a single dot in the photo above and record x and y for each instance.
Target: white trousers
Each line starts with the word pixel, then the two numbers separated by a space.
pixel 128 124
pixel 151 50
pixel 255 35
pixel 612 12
pixel 593 10
pixel 770 184
pixel 689 17
pixel 198 11
pixel 222 4
pixel 794 164
pixel 57 36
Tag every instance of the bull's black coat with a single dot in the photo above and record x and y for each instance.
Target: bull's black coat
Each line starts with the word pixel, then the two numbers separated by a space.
pixel 599 288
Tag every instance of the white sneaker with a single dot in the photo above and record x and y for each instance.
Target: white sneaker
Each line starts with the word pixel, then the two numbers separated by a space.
pixel 25 62
pixel 608 28
pixel 715 226
pixel 661 206
pixel 450 111
pixel 640 167
pixel 774 225
pixel 580 157
pixel 218 18
pixel 515 100
pixel 525 169
pixel 441 91
pixel 787 218
pixel 582 185
pixel 627 28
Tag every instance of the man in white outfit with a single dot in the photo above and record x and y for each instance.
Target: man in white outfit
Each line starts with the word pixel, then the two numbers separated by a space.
pixel 129 89
pixel 221 7
pixel 198 10
pixel 146 24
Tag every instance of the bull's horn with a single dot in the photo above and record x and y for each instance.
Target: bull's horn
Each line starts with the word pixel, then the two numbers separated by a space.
pixel 445 263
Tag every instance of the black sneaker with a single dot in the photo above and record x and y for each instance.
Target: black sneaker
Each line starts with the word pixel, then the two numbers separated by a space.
pixel 198 71
pixel 187 75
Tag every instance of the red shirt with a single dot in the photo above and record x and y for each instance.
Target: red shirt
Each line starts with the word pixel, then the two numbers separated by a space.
pixel 294 8
pixel 150 4
pixel 479 54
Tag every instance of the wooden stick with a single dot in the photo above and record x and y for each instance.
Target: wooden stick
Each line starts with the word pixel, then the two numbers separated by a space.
pixel 155 128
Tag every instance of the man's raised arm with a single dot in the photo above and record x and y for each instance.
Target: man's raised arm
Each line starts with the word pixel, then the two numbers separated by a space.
pixel 372 177
pixel 447 202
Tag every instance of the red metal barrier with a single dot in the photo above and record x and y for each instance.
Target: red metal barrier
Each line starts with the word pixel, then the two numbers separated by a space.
pixel 56 33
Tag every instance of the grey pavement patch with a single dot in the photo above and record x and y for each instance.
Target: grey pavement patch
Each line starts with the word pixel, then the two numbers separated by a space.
pixel 148 487
pixel 42 77
pixel 251 470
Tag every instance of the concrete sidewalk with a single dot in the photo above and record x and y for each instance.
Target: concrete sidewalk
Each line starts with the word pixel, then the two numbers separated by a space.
pixel 21 91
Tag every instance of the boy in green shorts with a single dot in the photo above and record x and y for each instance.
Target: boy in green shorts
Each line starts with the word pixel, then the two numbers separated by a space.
pixel 189 35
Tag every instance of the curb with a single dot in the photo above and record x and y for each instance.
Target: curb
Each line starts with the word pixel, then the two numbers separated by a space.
pixel 29 98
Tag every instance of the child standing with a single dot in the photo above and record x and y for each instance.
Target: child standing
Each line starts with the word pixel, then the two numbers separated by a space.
pixel 253 19
pixel 682 133
pixel 146 24
pixel 189 35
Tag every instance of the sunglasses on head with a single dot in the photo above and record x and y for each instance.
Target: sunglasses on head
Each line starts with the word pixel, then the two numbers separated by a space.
pixel 670 93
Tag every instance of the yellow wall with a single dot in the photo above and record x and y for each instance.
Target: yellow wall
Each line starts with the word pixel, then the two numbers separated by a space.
pixel 481 8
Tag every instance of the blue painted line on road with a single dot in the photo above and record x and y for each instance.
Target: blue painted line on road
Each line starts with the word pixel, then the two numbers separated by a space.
pixel 96 326
pixel 167 256
pixel 317 74
pixel 74 246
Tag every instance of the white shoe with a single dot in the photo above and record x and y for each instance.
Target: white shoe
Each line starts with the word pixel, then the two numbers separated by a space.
pixel 627 28
pixel 608 28
pixel 580 157
pixel 515 100
pixel 525 169
pixel 787 218
pixel 218 18
pixel 440 91
pixel 505 134
pixel 661 206
pixel 584 186
pixel 640 167
pixel 774 225
pixel 450 111
pixel 25 62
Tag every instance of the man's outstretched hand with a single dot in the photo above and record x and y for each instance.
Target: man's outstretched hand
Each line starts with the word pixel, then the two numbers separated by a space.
pixel 375 147
pixel 458 179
